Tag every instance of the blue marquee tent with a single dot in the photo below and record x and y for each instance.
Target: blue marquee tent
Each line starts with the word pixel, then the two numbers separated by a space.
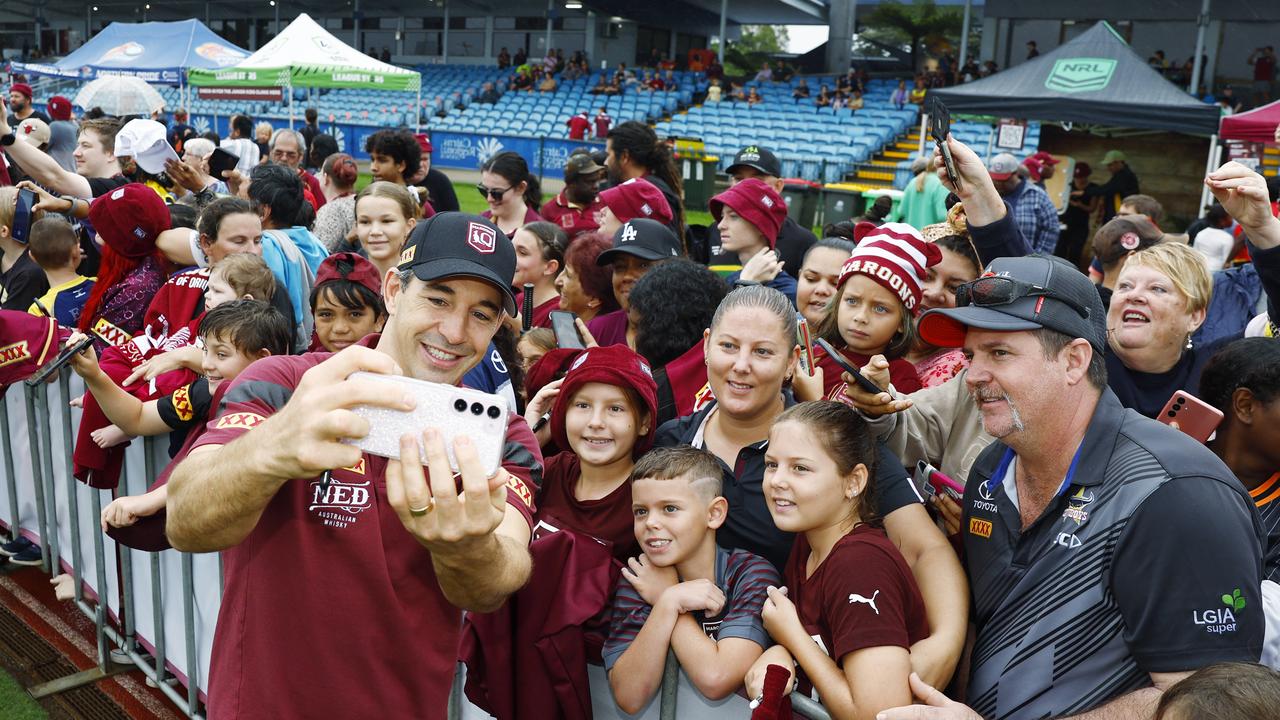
pixel 156 52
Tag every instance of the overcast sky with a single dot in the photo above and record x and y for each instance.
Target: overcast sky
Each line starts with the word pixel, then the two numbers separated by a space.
pixel 805 37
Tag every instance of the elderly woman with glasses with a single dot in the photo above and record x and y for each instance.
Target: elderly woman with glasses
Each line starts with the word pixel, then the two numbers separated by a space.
pixel 512 192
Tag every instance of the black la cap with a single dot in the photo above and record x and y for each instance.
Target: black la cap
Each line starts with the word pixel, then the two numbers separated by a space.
pixel 646 239
pixel 454 244
pixel 759 158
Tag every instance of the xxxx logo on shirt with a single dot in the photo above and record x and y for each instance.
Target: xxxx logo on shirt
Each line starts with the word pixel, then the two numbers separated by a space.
pixel 14 353
pixel 239 420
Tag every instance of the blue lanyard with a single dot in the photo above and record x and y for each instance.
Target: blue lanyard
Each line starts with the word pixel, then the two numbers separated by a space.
pixel 998 476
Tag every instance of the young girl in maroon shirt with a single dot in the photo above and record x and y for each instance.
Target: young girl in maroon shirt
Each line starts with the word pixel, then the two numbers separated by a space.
pixel 850 610
pixel 604 413
pixel 873 312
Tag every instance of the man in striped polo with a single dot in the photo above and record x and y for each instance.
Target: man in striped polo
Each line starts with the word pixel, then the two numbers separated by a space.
pixel 1109 556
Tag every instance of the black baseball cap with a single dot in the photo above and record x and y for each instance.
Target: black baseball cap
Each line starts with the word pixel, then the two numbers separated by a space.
pixel 646 239
pixel 759 158
pixel 454 244
pixel 1068 293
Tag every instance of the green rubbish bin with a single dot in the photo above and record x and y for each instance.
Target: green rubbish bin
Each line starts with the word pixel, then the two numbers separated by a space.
pixel 698 173
pixel 802 200
pixel 869 197
pixel 840 201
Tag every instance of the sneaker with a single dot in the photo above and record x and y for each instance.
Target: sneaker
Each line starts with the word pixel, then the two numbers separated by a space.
pixel 29 556
pixel 15 546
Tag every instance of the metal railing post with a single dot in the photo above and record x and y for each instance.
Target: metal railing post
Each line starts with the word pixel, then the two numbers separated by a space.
pixel 73 497
pixel 670 684
pixel 11 474
pixel 37 481
pixel 51 495
pixel 189 627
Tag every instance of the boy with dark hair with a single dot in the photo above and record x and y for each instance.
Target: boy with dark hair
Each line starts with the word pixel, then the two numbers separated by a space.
pixel 394 155
pixel 685 593
pixel 55 247
pixel 234 335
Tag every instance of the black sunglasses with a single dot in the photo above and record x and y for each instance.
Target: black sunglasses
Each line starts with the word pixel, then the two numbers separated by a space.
pixel 494 193
pixel 996 290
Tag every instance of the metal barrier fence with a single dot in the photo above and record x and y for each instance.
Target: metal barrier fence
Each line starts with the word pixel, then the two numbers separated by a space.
pixel 156 612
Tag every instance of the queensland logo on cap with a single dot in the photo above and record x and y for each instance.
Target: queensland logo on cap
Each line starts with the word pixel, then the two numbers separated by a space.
pixel 766 200
pixel 628 233
pixel 117 194
pixel 482 237
pixel 646 209
pixel 578 363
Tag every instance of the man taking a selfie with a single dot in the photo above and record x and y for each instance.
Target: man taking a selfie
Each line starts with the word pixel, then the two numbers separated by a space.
pixel 344 593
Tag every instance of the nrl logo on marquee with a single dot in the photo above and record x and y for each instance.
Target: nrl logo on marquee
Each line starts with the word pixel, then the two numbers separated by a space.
pixel 1074 75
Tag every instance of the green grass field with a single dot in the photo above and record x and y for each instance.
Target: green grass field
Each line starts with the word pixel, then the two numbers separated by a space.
pixel 15 703
pixel 471 202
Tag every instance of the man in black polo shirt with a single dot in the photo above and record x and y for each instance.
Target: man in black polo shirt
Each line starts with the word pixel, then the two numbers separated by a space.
pixel 1109 556
pixel 793 241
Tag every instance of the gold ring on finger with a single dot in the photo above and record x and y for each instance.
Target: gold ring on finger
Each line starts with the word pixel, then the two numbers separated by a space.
pixel 419 512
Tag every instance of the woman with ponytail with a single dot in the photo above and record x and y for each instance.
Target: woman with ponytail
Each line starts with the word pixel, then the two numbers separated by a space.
pixel 635 151
pixel 513 193
pixel 127 220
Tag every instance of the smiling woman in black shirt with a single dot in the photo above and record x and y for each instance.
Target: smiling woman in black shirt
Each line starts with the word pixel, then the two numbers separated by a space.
pixel 1160 299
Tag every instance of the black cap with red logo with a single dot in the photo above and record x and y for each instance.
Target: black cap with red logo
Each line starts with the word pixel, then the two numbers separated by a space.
pixel 454 244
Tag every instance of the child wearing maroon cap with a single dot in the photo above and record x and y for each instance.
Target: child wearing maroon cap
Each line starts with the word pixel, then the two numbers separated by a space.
pixel 635 198
pixel 874 311
pixel 750 214
pixel 346 302
pixel 604 414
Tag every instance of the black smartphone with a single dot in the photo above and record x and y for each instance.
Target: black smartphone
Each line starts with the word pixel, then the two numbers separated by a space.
pixel 221 161
pixel 848 367
pixel 939 128
pixel 59 362
pixel 565 325
pixel 23 215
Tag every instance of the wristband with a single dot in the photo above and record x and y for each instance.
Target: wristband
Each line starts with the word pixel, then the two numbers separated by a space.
pixel 8 138
pixel 744 283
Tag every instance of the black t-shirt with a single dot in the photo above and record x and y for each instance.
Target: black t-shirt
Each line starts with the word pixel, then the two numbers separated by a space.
pixel 14 121
pixel 749 526
pixel 101 186
pixel 793 242
pixel 440 190
pixel 22 284
pixel 1148 392
pixel 183 409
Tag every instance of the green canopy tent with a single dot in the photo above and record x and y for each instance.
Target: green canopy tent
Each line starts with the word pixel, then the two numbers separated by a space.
pixel 306 55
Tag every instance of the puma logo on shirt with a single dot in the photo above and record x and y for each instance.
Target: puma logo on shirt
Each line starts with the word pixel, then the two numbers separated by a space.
pixel 856 598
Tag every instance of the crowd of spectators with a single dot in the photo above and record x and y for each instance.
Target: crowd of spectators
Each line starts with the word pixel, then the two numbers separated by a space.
pixel 996 457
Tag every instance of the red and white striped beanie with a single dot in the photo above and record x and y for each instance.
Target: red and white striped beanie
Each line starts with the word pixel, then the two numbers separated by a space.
pixel 895 256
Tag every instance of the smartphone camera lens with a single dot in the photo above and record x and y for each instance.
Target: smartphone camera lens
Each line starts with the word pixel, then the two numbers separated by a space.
pixel 460 405
pixel 494 412
pixel 476 408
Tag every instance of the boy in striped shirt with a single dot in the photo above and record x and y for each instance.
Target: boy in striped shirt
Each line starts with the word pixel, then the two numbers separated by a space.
pixel 684 592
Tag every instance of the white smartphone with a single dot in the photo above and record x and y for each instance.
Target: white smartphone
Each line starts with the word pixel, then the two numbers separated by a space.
pixel 454 411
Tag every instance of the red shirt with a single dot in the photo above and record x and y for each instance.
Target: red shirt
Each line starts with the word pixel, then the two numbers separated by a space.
pixel 541 313
pixel 603 121
pixel 607 519
pixel 331 608
pixel 862 595
pixel 574 219
pixel 578 126
pixel 317 192
pixel 901 373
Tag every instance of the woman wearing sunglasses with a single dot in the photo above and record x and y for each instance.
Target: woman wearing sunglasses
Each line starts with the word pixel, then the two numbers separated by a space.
pixel 513 194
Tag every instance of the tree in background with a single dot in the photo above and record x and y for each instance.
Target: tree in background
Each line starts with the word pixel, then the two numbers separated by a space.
pixel 909 25
pixel 755 46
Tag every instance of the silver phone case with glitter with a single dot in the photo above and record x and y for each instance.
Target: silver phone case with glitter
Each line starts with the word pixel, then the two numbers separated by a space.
pixel 454 411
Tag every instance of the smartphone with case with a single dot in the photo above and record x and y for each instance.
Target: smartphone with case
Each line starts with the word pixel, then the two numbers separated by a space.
pixel 848 367
pixel 59 362
pixel 565 325
pixel 805 342
pixel 453 411
pixel 23 215
pixel 221 161
pixel 932 481
pixel 939 128
pixel 1194 416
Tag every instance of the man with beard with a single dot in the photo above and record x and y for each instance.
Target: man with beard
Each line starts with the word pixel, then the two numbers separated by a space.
pixel 20 95
pixel 1109 556
pixel 634 151
pixel 575 208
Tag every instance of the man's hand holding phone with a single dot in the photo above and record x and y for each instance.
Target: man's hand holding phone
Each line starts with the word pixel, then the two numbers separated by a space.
pixel 875 404
pixel 982 202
